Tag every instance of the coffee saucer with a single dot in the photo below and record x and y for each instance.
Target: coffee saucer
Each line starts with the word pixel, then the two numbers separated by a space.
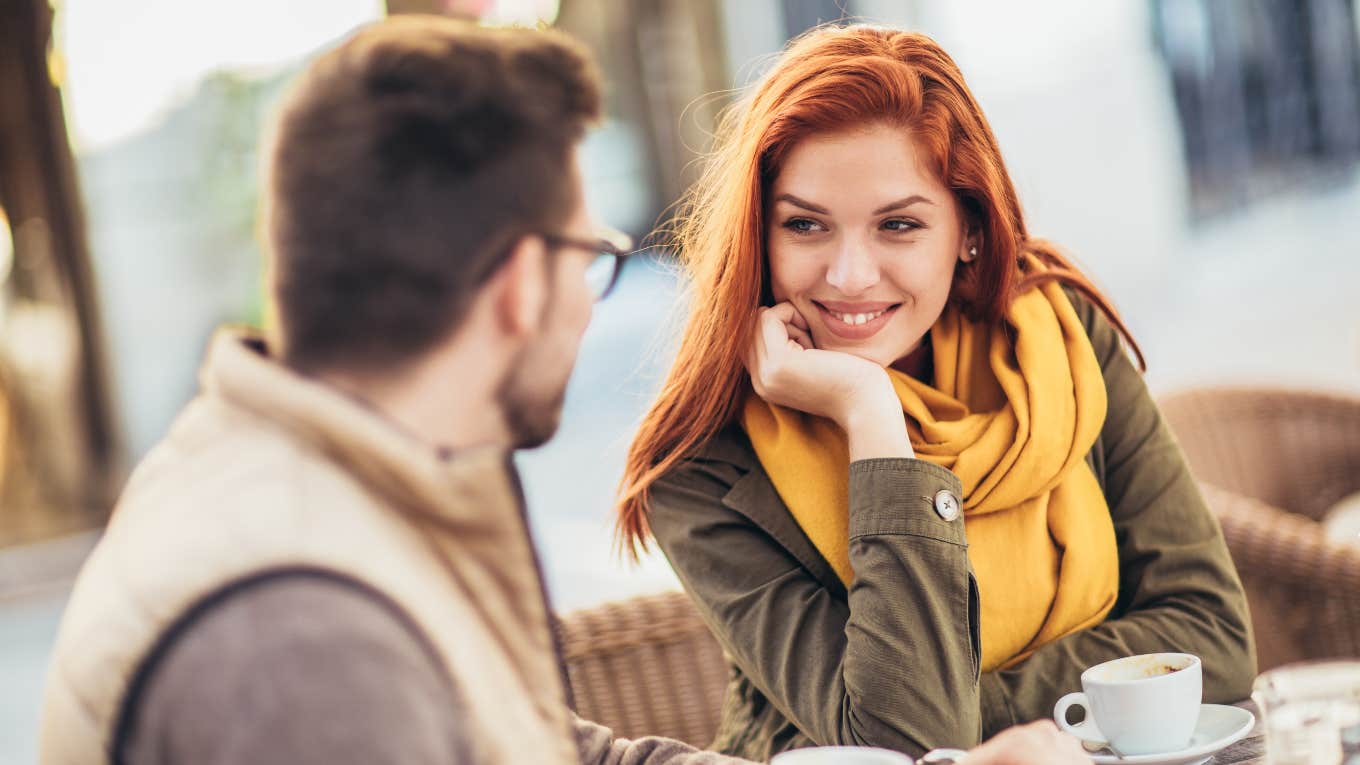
pixel 1219 727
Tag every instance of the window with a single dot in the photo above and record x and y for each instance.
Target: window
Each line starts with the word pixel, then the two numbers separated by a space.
pixel 1268 95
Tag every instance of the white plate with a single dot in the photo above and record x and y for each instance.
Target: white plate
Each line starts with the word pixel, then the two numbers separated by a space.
pixel 1219 728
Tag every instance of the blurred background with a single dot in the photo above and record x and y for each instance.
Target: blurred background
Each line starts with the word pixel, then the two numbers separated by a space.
pixel 1198 157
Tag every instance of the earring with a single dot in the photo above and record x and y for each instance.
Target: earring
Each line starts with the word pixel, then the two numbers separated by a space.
pixel 972 252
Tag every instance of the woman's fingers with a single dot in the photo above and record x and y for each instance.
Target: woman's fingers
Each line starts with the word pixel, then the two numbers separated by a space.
pixel 787 313
pixel 780 331
pixel 784 311
pixel 769 334
pixel 794 327
pixel 774 328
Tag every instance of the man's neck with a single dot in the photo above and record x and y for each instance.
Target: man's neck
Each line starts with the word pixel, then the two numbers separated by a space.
pixel 444 403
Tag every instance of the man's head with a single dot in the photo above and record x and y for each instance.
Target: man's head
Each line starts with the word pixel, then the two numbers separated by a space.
pixel 415 173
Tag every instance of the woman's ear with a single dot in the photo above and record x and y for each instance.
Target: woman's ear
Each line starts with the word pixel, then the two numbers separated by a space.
pixel 972 240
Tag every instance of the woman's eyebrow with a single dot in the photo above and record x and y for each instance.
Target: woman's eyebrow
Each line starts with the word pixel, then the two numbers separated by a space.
pixel 806 205
pixel 904 202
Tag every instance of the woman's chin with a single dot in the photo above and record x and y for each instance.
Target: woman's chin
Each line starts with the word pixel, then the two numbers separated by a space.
pixel 866 351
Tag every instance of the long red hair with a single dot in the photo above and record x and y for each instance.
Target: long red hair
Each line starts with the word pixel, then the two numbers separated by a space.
pixel 828 79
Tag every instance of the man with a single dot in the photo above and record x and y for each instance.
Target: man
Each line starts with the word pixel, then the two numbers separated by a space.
pixel 326 559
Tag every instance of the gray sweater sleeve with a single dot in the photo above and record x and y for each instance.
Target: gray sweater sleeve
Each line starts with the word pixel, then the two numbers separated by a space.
pixel 298 668
pixel 306 668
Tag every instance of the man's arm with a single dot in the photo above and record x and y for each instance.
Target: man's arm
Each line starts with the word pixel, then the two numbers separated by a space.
pixel 304 668
pixel 599 747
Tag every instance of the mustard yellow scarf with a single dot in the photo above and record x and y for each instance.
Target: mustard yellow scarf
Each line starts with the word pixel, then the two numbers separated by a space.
pixel 1014 422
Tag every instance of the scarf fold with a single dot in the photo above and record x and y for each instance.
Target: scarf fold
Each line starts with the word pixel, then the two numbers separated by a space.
pixel 1014 421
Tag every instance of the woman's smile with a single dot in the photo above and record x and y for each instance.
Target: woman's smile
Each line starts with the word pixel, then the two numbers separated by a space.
pixel 855 321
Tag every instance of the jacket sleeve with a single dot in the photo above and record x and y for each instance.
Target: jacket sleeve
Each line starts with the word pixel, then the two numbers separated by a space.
pixel 599 747
pixel 893 663
pixel 1178 589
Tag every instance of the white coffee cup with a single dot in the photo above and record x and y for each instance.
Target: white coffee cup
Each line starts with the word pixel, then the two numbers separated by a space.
pixel 841 755
pixel 1145 704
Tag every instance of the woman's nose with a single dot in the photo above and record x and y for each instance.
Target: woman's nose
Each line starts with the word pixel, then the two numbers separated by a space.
pixel 853 269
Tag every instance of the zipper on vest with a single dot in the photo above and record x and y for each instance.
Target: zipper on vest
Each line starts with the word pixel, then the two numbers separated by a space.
pixel 548 617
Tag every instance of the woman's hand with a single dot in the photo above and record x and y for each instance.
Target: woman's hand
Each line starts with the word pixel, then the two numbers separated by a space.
pixel 1038 743
pixel 786 369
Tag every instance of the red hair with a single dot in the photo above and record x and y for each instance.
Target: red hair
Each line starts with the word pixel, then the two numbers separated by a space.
pixel 831 78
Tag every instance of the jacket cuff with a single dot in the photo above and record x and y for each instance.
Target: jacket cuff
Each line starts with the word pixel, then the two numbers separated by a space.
pixel 996 708
pixel 896 496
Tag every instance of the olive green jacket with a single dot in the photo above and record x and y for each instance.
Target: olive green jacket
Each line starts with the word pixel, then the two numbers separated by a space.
pixel 893 661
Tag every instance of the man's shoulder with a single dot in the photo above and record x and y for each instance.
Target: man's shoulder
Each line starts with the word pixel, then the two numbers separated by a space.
pixel 291 607
pixel 310 660
pixel 212 444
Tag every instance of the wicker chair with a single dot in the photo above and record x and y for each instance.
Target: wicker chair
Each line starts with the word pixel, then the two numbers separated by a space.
pixel 1271 463
pixel 646 667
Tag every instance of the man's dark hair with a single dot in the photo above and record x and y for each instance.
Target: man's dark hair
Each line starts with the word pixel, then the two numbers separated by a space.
pixel 406 164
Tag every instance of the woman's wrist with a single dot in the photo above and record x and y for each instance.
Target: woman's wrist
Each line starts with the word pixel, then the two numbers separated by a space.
pixel 875 426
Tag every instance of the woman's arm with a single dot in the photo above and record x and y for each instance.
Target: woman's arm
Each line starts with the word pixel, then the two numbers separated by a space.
pixel 1178 588
pixel 896 665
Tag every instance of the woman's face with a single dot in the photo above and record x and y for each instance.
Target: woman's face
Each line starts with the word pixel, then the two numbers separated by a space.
pixel 862 239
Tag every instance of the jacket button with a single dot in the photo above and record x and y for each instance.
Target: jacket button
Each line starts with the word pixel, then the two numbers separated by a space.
pixel 946 504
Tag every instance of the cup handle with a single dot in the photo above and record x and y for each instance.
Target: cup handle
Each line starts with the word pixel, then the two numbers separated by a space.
pixel 1065 703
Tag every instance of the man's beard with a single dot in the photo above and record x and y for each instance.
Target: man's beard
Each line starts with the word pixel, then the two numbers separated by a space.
pixel 531 414
pixel 534 388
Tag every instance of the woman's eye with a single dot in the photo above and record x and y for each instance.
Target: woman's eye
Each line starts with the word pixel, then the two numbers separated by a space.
pixel 802 225
pixel 901 225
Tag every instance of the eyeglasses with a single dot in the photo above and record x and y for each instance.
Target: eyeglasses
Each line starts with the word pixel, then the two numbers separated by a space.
pixel 610 250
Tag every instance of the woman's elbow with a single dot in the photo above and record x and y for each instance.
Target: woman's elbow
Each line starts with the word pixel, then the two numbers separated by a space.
pixel 917 733
pixel 1230 676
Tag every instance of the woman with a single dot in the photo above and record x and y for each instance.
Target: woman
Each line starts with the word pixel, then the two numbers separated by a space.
pixel 902 462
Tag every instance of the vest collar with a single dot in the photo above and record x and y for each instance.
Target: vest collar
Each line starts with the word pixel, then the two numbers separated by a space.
pixel 472 488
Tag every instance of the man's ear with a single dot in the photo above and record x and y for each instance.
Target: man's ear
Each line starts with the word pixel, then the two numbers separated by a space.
pixel 520 287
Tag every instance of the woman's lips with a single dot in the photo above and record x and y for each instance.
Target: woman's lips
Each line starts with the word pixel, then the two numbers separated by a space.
pixel 855 321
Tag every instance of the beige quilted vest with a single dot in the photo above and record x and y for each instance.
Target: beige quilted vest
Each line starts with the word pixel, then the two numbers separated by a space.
pixel 266 469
